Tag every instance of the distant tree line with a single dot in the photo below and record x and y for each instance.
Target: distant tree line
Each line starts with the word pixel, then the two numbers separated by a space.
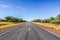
pixel 11 19
pixel 53 20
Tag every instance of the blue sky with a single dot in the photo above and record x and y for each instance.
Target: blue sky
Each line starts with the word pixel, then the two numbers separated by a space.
pixel 29 9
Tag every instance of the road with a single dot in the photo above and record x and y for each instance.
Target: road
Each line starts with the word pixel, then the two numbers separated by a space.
pixel 28 31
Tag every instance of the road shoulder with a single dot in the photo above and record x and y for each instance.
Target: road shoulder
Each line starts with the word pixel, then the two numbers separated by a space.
pixel 51 30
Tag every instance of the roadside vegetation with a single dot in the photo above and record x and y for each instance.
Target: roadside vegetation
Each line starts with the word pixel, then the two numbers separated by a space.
pixel 52 22
pixel 10 21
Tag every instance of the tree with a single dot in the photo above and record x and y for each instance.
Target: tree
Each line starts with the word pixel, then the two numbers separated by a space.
pixel 51 18
pixel 9 18
pixel 13 19
pixel 37 20
pixel 45 21
pixel 55 20
pixel 58 19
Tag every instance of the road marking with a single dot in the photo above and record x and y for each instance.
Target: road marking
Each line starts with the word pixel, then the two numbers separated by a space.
pixel 29 33
pixel 29 29
pixel 51 32
pixel 7 31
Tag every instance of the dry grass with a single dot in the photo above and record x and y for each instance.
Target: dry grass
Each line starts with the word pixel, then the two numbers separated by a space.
pixel 49 25
pixel 8 24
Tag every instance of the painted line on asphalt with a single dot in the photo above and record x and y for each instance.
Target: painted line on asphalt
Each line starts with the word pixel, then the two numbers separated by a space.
pixel 7 31
pixel 29 29
pixel 29 33
pixel 51 32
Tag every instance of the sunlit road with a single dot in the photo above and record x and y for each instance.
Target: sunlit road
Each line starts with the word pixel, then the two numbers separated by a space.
pixel 28 31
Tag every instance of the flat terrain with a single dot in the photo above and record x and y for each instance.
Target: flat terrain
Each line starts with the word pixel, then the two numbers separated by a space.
pixel 52 27
pixel 5 26
pixel 28 31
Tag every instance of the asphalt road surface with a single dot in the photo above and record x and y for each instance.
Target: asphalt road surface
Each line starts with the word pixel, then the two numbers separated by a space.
pixel 28 31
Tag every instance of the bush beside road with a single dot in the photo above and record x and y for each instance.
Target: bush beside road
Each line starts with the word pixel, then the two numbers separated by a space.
pixel 9 22
pixel 52 23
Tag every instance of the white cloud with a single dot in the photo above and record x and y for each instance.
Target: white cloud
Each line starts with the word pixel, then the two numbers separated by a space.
pixel 4 6
pixel 21 8
pixel 7 6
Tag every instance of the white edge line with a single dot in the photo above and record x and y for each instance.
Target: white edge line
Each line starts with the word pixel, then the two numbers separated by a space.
pixel 51 32
pixel 6 31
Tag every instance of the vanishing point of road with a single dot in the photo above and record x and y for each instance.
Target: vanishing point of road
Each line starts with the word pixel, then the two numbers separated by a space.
pixel 28 31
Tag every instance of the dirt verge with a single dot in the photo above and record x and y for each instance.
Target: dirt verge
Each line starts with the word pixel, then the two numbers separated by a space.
pixel 2 30
pixel 48 28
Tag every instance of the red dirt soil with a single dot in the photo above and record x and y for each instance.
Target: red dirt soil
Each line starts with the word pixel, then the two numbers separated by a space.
pixel 51 29
pixel 2 30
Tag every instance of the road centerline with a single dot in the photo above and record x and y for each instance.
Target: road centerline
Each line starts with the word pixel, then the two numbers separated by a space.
pixel 29 29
